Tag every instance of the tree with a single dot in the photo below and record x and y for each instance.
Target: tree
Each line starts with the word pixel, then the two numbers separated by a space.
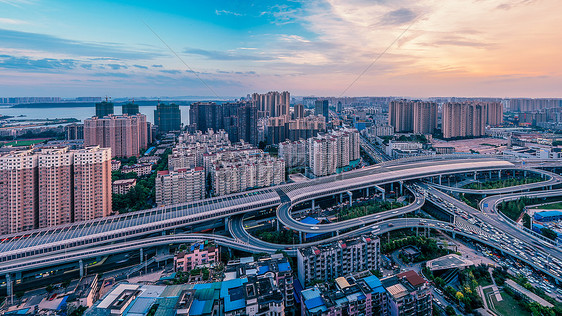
pixel 450 310
pixel 49 288
pixel 65 284
pixel 549 233
pixel 459 296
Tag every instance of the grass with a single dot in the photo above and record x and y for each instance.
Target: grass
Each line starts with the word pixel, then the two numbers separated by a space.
pixel 16 143
pixel 554 206
pixel 507 307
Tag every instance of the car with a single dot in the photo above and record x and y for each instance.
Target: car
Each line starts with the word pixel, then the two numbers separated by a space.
pixel 390 225
pixel 314 227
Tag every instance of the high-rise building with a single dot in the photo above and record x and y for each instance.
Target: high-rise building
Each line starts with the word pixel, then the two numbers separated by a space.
pixel 18 188
pixel 104 108
pixel 329 261
pixel 413 116
pixel 532 105
pixel 181 186
pixel 494 113
pixel 294 153
pixel 53 186
pixel 130 108
pixel 327 154
pixel 298 111
pixel 74 131
pixel 92 183
pixel 273 103
pixel 282 128
pixel 425 117
pixel 321 108
pixel 167 117
pixel 463 120
pixel 125 135
pixel 56 203
pixel 238 119
pixel 233 172
pixel 339 107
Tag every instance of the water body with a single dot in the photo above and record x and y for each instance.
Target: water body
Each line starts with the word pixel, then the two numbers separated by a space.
pixel 80 112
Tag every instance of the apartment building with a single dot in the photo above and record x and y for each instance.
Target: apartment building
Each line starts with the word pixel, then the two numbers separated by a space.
pixel 294 153
pixel 328 153
pixel 464 120
pixel 141 169
pixel 413 116
pixel 53 186
pixel 92 183
pixel 332 260
pixel 408 294
pixel 125 135
pixel 239 171
pixel 196 254
pixel 180 186
pixel 123 186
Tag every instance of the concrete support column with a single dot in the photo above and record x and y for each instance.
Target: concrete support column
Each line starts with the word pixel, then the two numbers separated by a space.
pixel 341 197
pixel 499 174
pixel 81 264
pixel 439 179
pixel 226 219
pixel 300 237
pixel 350 198
pixel 475 175
pixel 10 288
pixel 277 221
pixel 490 175
pixel 402 186
pixel 141 255
pixel 313 206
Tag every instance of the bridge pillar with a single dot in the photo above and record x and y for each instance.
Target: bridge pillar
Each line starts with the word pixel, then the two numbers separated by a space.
pixel 499 174
pixel 10 288
pixel 313 206
pixel 439 179
pixel 475 175
pixel 300 237
pixel 402 186
pixel 226 219
pixel 490 175
pixel 81 265
pixel 350 198
pixel 341 197
pixel 454 235
pixel 367 190
pixel 141 255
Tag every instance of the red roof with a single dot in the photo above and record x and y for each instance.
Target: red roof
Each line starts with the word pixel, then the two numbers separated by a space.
pixel 163 172
pixel 198 168
pixel 412 277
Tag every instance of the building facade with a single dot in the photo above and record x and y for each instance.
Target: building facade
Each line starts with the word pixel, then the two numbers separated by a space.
pixel 195 255
pixel 330 261
pixel 125 135
pixel 464 120
pixel 180 186
pixel 167 117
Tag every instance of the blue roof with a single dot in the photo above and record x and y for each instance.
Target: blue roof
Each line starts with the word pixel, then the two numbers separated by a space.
pixel 233 298
pixel 361 297
pixel 284 266
pixel 297 290
pixel 314 302
pixel 197 307
pixel 141 305
pixel 309 220
pixel 263 269
pixel 374 283
pixel 540 215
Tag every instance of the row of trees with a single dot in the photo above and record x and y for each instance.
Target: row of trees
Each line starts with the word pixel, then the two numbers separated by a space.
pixel 497 184
pixel 369 208
pixel 427 246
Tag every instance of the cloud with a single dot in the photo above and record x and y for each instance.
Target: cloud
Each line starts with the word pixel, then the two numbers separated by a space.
pixel 225 55
pixel 117 66
pixel 48 43
pixel 43 64
pixel 140 67
pixel 171 71
pixel 11 21
pixel 157 66
pixel 15 3
pixel 398 17
pixel 111 74
pixel 225 12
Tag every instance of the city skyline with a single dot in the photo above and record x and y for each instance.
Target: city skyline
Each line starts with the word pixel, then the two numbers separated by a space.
pixel 466 48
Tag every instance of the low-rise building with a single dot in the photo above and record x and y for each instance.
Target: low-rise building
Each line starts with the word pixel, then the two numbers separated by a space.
pixel 123 186
pixel 361 294
pixel 149 159
pixel 196 254
pixel 141 169
pixel 115 165
pixel 276 267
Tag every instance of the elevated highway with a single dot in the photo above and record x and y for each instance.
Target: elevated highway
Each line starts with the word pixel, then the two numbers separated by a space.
pixel 140 229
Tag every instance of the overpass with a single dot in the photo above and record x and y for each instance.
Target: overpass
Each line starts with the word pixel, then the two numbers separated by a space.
pixel 137 230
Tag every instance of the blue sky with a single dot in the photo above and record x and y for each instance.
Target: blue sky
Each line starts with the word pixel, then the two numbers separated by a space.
pixel 313 47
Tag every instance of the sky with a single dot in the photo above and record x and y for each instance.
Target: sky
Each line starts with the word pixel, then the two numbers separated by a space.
pixel 230 48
